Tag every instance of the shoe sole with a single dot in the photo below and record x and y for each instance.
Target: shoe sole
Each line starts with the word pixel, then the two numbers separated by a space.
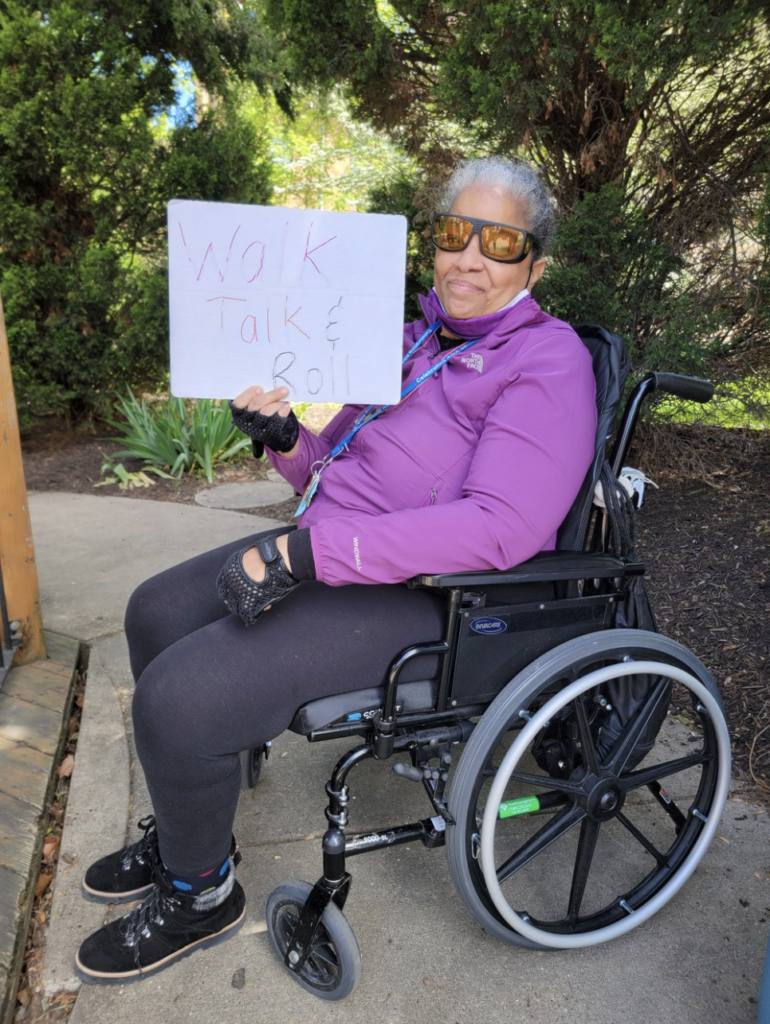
pixel 99 978
pixel 95 896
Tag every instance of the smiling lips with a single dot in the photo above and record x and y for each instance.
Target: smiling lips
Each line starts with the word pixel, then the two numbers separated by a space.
pixel 461 284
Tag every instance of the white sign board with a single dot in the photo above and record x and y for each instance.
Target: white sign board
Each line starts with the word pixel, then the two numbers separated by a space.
pixel 306 299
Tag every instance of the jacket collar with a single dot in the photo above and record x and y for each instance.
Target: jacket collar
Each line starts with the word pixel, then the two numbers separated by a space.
pixel 493 330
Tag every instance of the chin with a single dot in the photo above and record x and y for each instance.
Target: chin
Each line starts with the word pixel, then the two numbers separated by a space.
pixel 460 310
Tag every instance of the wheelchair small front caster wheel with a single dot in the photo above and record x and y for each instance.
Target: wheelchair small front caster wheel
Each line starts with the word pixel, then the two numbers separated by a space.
pixel 333 967
pixel 251 766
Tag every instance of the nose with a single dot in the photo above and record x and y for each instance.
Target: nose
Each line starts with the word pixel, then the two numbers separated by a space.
pixel 470 258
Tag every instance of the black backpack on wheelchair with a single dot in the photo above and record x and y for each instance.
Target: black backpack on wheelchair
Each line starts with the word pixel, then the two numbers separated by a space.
pixel 578 807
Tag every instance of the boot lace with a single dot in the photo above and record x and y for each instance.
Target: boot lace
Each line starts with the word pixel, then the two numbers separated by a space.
pixel 138 923
pixel 144 850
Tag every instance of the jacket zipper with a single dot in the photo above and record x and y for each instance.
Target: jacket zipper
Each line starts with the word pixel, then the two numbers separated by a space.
pixel 433 495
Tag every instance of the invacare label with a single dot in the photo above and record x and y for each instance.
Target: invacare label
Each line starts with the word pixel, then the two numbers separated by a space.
pixel 489 626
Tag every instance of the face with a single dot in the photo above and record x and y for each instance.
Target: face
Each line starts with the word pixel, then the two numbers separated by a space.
pixel 471 285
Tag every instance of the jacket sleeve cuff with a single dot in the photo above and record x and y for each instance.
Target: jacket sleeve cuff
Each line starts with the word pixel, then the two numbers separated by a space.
pixel 301 555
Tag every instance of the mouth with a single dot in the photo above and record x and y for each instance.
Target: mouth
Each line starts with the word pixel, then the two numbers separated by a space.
pixel 459 285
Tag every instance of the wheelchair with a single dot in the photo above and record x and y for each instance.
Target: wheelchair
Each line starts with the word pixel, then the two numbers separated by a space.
pixel 595 757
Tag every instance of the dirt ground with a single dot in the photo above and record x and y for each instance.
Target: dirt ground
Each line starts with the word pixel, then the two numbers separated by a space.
pixel 704 537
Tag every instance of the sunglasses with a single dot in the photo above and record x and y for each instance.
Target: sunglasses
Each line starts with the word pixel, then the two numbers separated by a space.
pixel 452 233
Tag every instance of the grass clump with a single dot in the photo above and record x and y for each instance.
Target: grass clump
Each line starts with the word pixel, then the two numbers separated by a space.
pixel 173 437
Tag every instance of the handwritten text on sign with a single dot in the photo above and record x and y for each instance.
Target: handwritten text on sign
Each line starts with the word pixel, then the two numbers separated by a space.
pixel 310 300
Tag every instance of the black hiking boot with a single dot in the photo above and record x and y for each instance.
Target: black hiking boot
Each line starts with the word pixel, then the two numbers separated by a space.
pixel 167 927
pixel 128 874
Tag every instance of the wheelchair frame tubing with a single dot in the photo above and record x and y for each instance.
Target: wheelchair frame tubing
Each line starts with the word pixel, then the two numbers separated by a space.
pixel 334 884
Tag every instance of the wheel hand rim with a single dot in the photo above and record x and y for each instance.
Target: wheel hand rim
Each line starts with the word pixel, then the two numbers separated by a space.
pixel 520 745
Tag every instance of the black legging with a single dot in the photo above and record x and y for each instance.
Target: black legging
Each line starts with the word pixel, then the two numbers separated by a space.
pixel 207 686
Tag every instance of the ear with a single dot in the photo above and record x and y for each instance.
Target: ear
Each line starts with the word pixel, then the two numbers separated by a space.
pixel 536 272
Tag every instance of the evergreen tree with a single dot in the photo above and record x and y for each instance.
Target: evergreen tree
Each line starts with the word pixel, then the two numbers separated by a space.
pixel 88 159
pixel 650 121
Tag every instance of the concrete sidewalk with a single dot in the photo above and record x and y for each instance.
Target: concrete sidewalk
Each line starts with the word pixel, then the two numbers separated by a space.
pixel 698 961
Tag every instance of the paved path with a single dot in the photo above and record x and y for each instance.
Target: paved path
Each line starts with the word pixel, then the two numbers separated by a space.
pixel 697 962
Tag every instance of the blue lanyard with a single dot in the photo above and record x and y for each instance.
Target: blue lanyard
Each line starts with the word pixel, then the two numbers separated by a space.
pixel 370 413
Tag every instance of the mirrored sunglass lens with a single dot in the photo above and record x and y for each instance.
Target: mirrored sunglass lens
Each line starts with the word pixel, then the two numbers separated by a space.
pixel 501 243
pixel 451 232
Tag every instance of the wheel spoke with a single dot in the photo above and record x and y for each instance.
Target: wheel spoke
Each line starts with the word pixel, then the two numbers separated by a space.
pixel 587 748
pixel 324 959
pixel 645 776
pixel 559 825
pixel 659 857
pixel 668 805
pixel 547 782
pixel 287 923
pixel 632 732
pixel 589 832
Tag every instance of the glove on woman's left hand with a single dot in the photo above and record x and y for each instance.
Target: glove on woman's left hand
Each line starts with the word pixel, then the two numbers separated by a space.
pixel 278 433
pixel 247 597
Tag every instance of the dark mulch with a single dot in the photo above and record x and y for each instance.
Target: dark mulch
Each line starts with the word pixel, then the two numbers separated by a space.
pixel 705 537
pixel 67 461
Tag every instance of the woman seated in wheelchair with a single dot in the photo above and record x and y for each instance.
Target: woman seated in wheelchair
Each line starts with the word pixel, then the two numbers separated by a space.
pixel 475 468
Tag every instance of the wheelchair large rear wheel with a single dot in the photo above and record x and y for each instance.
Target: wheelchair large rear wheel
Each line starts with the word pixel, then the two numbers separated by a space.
pixel 567 833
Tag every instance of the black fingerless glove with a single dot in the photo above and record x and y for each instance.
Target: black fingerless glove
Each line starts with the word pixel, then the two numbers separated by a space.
pixel 276 432
pixel 245 596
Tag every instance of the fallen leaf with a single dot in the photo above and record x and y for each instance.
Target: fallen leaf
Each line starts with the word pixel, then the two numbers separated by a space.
pixel 50 846
pixel 44 880
pixel 726 841
pixel 66 767
pixel 24 996
pixel 285 754
pixel 311 836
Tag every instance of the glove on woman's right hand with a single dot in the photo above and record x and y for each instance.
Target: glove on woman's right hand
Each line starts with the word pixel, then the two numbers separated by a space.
pixel 248 597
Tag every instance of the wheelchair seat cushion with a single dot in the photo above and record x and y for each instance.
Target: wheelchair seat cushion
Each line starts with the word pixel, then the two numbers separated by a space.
pixel 360 705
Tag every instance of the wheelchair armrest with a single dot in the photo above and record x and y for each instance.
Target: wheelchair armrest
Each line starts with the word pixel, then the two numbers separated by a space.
pixel 548 566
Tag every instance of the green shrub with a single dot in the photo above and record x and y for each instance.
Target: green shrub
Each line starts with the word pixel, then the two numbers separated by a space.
pixel 399 197
pixel 176 437
pixel 609 267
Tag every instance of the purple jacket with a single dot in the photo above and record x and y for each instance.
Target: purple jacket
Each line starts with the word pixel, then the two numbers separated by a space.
pixel 474 470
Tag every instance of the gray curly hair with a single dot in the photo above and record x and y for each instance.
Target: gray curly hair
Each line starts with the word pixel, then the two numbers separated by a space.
pixel 520 180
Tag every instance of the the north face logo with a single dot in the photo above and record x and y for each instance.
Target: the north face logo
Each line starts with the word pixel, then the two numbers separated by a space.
pixel 473 361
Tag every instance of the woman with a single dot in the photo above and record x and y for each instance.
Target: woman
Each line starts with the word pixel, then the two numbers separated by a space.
pixel 475 468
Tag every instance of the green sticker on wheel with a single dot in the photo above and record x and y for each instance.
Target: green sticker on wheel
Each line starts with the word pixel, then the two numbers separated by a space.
pixel 524 805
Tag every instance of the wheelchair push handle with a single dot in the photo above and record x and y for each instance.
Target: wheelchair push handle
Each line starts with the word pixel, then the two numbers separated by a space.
pixel 670 383
pixel 692 388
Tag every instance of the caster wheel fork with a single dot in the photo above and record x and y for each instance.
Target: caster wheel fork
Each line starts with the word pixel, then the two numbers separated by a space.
pixel 331 968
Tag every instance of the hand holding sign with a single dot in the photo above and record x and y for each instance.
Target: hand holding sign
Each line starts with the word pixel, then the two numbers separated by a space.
pixel 266 419
pixel 307 300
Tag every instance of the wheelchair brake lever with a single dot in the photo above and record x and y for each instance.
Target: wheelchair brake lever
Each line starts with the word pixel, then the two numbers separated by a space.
pixel 408 771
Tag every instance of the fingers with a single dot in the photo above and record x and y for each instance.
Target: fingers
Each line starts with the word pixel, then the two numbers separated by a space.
pixel 256 399
pixel 246 396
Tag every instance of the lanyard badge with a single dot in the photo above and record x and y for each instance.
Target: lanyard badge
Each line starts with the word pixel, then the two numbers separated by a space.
pixel 371 413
